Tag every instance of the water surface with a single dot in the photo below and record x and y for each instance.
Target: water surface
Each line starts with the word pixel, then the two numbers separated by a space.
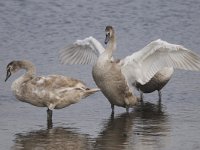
pixel 36 30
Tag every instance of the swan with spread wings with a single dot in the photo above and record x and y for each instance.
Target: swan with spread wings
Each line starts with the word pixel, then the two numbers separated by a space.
pixel 116 78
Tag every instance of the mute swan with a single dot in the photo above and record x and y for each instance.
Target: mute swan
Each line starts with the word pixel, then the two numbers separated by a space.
pixel 53 91
pixel 157 82
pixel 116 78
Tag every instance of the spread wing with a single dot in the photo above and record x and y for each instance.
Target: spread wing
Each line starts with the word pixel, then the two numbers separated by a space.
pixel 144 64
pixel 84 51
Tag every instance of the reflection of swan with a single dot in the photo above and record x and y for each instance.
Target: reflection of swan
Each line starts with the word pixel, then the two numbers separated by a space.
pixel 57 138
pixel 53 91
pixel 145 122
pixel 115 133
pixel 152 117
pixel 115 78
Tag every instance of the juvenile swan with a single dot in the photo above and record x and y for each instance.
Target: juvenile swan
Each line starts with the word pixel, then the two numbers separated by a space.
pixel 116 78
pixel 53 91
pixel 157 82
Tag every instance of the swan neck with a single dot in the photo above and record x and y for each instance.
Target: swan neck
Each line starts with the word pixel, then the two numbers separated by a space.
pixel 111 46
pixel 29 67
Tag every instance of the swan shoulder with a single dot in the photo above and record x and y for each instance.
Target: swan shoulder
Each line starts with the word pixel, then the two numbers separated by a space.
pixel 84 51
pixel 141 66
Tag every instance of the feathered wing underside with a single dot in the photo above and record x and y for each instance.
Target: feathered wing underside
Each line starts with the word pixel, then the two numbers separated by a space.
pixel 144 64
pixel 84 51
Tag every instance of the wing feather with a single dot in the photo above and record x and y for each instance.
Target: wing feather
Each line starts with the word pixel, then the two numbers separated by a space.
pixel 84 51
pixel 155 56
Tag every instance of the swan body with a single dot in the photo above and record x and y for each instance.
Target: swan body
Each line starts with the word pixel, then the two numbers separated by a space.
pixel 52 91
pixel 154 63
pixel 110 80
pixel 156 83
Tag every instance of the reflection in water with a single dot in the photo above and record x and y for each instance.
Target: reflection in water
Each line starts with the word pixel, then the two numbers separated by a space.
pixel 56 138
pixel 146 126
pixel 115 133
pixel 150 118
pixel 49 124
pixel 151 125
pixel 139 126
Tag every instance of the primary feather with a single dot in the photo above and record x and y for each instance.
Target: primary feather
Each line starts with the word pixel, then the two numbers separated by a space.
pixel 84 51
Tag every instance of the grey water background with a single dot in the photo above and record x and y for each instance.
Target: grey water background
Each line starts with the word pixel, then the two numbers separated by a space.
pixel 36 30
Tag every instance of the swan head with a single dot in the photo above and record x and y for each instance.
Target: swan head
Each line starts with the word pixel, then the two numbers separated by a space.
pixel 11 68
pixel 16 65
pixel 109 34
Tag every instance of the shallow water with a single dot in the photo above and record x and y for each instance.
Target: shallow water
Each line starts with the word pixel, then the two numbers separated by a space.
pixel 36 30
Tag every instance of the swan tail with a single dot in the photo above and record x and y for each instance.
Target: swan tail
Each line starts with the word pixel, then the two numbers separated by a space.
pixel 88 91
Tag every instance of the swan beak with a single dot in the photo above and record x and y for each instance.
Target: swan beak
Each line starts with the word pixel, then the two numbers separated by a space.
pixel 107 39
pixel 8 75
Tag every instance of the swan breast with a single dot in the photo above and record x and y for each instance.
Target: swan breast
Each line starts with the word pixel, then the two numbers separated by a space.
pixel 111 82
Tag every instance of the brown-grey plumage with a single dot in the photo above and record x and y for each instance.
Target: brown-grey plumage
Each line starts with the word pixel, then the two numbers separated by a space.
pixel 159 80
pixel 109 78
pixel 52 91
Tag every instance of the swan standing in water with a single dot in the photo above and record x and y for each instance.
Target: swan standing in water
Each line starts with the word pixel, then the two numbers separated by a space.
pixel 53 91
pixel 157 82
pixel 116 78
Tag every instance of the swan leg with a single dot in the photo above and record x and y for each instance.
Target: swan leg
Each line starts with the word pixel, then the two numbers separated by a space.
pixel 159 95
pixel 127 109
pixel 141 96
pixel 49 114
pixel 112 107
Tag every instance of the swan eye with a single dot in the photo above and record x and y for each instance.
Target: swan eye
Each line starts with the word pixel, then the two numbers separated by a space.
pixel 108 34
